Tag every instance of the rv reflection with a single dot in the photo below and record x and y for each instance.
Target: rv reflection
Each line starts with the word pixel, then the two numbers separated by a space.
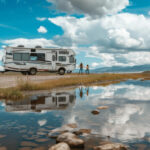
pixel 52 101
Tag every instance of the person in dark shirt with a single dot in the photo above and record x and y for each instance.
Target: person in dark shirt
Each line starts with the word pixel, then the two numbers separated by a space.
pixel 81 68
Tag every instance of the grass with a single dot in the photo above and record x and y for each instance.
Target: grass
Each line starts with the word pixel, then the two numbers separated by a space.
pixel 105 79
pixel 11 93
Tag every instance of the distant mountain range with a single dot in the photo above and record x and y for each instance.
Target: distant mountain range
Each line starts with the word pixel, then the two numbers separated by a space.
pixel 140 68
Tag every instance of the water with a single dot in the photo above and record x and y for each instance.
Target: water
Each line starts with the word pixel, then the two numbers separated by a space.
pixel 26 123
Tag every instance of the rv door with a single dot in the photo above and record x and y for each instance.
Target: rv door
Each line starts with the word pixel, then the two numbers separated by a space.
pixel 54 61
pixel 51 57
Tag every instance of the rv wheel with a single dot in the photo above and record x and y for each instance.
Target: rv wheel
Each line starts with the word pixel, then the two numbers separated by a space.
pixel 32 71
pixel 61 71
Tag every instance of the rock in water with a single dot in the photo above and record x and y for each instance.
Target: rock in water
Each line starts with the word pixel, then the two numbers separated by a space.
pixel 60 146
pixel 66 128
pixel 102 107
pixel 82 131
pixel 95 112
pixel 71 139
pixel 72 125
pixel 112 146
pixel 3 148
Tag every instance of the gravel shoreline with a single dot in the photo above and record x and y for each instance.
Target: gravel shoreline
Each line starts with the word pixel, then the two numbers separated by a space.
pixel 7 81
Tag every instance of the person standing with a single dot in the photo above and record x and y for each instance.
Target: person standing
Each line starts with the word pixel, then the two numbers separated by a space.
pixel 81 68
pixel 87 69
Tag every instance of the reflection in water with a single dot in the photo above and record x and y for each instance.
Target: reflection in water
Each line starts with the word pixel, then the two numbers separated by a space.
pixel 82 90
pixel 126 120
pixel 52 101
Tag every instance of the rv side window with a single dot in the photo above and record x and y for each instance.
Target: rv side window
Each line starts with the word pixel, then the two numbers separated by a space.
pixel 25 57
pixel 62 99
pixel 62 58
pixel 41 56
pixel 17 56
pixel 37 57
pixel 33 57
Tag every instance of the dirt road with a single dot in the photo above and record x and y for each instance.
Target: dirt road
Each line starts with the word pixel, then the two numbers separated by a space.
pixel 7 80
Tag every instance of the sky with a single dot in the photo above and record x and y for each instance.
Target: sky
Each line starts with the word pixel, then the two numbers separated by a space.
pixel 102 33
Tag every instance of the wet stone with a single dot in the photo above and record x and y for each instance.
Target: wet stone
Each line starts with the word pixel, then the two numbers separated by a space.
pixel 41 140
pixel 82 131
pixel 25 143
pixel 73 125
pixel 102 107
pixel 25 148
pixel 54 135
pixel 71 139
pixel 95 112
pixel 49 127
pixel 41 133
pixel 66 128
pixel 2 136
pixel 111 146
pixel 3 148
pixel 32 137
pixel 60 146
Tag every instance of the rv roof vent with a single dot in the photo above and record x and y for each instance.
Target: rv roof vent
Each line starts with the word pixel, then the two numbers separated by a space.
pixel 38 46
pixel 20 45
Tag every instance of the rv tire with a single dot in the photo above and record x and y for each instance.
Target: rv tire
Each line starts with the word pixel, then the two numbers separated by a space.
pixel 61 71
pixel 33 71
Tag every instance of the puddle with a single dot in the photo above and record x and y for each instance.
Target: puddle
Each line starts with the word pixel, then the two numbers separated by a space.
pixel 25 124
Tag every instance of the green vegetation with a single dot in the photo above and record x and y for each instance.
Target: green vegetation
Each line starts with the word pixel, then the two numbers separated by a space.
pixel 92 79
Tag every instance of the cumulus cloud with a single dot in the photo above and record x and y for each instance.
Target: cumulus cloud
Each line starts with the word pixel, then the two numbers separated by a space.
pixel 92 8
pixel 41 18
pixel 42 29
pixel 123 39
pixel 117 33
pixel 121 59
pixel 117 40
pixel 30 42
pixel 95 64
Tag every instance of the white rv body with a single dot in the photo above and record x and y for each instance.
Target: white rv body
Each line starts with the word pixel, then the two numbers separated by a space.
pixel 32 60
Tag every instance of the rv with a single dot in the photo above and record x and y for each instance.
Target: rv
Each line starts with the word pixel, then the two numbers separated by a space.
pixel 33 60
